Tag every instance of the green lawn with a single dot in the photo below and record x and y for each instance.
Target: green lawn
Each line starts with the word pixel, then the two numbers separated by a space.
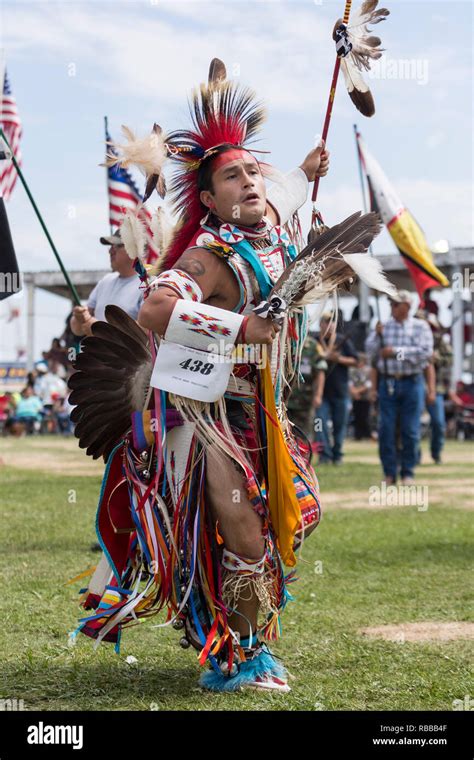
pixel 361 567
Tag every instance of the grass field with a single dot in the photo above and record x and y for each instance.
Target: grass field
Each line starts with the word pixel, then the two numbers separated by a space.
pixel 363 566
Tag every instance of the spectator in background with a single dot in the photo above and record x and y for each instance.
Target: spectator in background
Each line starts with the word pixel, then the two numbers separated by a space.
pixel 340 354
pixel 27 413
pixel 359 389
pixel 31 378
pixel 401 350
pixel 120 287
pixel 58 352
pixel 429 306
pixel 50 386
pixel 6 409
pixel 62 410
pixel 443 361
pixel 306 396
pixel 71 342
pixel 358 329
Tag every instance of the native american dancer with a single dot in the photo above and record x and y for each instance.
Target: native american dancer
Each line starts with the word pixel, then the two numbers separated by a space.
pixel 208 491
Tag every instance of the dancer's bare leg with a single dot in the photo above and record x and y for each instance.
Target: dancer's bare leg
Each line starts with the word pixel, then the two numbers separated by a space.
pixel 239 526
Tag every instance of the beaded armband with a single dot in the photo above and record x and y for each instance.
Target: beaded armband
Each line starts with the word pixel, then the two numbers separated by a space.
pixel 204 327
pixel 180 281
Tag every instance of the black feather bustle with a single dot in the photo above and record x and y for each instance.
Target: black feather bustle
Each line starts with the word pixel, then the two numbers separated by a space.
pixel 119 318
pixel 111 381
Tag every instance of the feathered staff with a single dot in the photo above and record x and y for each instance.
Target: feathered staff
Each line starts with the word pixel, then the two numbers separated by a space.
pixel 356 48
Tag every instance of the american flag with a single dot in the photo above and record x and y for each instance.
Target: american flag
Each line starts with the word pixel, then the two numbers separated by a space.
pixel 11 125
pixel 124 195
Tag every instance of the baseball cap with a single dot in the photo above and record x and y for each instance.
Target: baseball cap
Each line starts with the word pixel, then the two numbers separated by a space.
pixel 113 239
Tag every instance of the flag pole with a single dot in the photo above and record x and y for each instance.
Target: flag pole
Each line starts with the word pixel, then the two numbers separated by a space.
pixel 371 251
pixel 3 68
pixel 364 202
pixel 106 128
pixel 71 287
pixel 364 312
pixel 332 93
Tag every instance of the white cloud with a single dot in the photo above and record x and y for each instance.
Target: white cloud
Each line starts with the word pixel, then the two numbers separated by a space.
pixel 135 49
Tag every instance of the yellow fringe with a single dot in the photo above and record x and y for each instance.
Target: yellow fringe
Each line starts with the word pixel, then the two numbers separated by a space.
pixel 81 575
pixel 283 503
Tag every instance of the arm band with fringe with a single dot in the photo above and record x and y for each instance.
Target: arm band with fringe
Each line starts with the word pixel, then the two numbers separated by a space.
pixel 204 327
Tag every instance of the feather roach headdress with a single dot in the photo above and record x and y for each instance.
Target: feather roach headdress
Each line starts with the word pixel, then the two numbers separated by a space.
pixel 223 114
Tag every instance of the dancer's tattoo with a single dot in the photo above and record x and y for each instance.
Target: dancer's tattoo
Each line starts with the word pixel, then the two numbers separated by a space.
pixel 192 266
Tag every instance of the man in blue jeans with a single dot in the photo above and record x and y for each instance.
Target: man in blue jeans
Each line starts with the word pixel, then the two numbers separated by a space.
pixel 401 349
pixel 340 354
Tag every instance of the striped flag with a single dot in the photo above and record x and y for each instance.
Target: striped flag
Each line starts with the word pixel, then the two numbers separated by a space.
pixel 11 125
pixel 403 228
pixel 124 195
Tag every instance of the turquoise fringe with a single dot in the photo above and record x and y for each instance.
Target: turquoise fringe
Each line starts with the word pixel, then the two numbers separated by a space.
pixel 263 664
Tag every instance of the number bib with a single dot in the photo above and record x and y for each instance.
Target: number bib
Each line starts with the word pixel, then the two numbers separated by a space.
pixel 191 373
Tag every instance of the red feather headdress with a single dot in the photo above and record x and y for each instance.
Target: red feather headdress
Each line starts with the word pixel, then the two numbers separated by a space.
pixel 222 113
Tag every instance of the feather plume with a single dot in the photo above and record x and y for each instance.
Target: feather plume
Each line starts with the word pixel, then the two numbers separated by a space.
pixel 217 72
pixel 133 234
pixel 358 48
pixel 369 270
pixel 147 153
pixel 358 89
pixel 162 230
pixel 322 266
pixel 155 181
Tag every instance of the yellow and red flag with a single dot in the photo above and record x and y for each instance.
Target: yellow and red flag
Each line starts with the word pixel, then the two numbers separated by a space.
pixel 405 231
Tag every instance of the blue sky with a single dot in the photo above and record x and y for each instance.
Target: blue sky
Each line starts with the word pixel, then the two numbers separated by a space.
pixel 71 63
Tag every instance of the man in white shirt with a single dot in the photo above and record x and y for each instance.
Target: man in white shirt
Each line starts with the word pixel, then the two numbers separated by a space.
pixel 49 386
pixel 120 287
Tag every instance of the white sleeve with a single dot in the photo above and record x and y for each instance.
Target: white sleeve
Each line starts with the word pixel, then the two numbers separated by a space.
pixel 288 196
pixel 92 300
